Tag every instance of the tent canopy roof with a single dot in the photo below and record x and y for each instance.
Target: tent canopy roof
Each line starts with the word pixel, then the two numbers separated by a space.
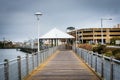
pixel 56 34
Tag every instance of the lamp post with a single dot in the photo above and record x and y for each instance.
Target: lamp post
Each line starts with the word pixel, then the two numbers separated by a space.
pixel 76 37
pixel 102 42
pixel 38 14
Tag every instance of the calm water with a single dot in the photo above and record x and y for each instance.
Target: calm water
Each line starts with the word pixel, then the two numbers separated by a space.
pixel 10 54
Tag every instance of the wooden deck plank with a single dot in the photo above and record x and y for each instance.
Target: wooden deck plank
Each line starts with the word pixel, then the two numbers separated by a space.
pixel 64 66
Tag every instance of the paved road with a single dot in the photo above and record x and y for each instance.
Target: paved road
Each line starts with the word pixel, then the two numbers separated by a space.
pixel 65 65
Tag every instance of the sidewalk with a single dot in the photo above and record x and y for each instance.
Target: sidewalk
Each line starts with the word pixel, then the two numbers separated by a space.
pixel 64 65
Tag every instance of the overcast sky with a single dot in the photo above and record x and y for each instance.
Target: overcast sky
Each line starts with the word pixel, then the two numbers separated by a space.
pixel 18 22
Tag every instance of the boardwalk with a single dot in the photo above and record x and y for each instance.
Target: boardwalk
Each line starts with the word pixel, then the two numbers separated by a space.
pixel 64 65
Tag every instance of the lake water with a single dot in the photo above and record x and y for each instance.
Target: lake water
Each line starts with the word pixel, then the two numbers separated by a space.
pixel 10 54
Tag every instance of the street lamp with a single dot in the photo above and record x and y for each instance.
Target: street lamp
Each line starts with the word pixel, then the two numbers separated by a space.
pixel 102 42
pixel 38 14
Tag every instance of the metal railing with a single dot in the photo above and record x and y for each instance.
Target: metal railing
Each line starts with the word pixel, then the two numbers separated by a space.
pixel 106 67
pixel 19 68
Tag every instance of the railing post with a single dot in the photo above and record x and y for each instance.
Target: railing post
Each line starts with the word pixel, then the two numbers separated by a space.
pixel 111 69
pixel 75 50
pixel 27 64
pixel 48 52
pixel 102 67
pixel 52 50
pixel 96 62
pixel 33 60
pixel 88 57
pixel 37 58
pixel 45 55
pixel 19 67
pixel 6 69
pixel 81 54
pixel 91 59
pixel 78 52
pixel 40 57
pixel 84 56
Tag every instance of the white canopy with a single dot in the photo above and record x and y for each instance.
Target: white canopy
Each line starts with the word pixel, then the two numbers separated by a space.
pixel 56 34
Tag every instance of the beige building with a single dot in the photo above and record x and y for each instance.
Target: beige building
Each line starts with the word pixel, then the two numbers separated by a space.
pixel 93 35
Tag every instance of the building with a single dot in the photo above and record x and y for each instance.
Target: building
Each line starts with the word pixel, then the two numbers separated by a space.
pixel 93 35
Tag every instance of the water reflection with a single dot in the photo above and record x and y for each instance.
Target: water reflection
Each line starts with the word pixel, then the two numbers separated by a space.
pixel 10 54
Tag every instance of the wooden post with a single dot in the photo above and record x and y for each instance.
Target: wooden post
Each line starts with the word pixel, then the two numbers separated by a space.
pixel 6 69
pixel 19 67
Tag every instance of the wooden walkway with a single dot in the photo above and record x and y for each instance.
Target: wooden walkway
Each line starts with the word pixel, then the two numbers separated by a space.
pixel 63 65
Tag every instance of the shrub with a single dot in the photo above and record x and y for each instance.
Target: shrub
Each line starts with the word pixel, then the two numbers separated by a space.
pixel 94 49
pixel 100 49
pixel 116 51
pixel 85 46
pixel 108 53
pixel 117 56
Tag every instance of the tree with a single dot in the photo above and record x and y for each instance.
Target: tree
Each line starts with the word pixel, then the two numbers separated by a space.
pixel 1 44
pixel 113 39
pixel 70 28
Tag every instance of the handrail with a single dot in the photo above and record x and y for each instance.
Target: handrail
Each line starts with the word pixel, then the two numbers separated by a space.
pixel 29 64
pixel 2 63
pixel 116 61
pixel 106 67
pixel 13 60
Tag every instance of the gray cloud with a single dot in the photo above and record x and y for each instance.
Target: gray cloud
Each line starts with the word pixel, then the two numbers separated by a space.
pixel 17 20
